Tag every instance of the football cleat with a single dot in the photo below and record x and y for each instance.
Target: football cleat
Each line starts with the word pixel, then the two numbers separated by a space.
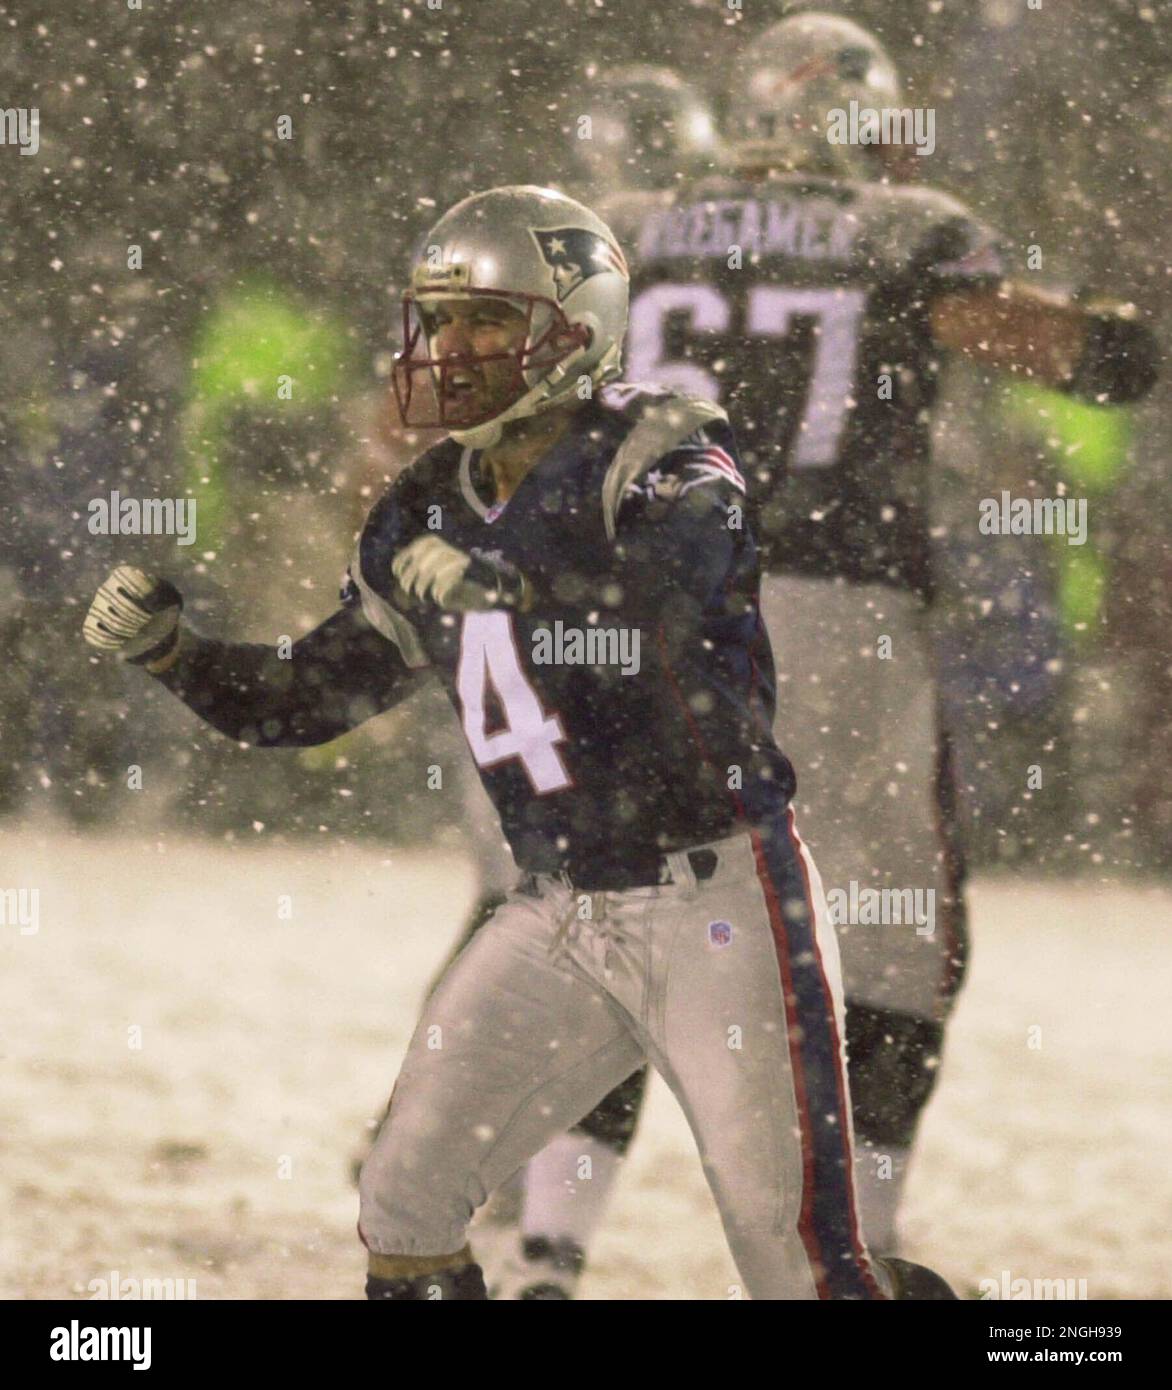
pixel 911 1282
pixel 541 1270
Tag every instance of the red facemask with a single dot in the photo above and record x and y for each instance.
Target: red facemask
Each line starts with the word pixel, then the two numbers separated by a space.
pixel 428 403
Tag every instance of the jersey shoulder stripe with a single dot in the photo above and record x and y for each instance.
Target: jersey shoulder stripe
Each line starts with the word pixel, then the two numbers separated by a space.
pixel 714 461
pixel 665 420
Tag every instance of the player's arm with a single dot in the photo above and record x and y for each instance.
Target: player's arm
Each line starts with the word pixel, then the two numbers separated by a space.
pixel 340 674
pixel 681 535
pixel 1101 354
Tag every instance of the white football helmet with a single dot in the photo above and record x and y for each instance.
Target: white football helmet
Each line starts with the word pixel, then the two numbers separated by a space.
pixel 799 70
pixel 541 252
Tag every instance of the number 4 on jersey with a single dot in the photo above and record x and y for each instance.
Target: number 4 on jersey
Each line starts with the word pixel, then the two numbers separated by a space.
pixel 489 657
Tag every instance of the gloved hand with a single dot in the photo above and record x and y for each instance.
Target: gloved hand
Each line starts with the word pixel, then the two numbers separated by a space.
pixel 431 569
pixel 135 616
pixel 1120 360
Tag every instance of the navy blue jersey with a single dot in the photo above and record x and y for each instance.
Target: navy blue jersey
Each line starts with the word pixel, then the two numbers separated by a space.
pixel 803 305
pixel 628 713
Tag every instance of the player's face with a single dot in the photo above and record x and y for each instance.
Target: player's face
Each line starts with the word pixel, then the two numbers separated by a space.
pixel 467 329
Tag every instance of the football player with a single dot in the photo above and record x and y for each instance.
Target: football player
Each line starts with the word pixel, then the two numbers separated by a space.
pixel 817 300
pixel 572 562
pixel 641 130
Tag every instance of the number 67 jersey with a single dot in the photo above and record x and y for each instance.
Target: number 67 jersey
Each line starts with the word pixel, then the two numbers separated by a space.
pixel 627 713
pixel 803 304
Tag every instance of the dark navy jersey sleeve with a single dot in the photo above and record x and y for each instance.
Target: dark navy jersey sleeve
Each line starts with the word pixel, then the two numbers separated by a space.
pixel 335 677
pixel 681 535
pixel 686 560
pixel 400 516
pixel 395 520
pixel 356 664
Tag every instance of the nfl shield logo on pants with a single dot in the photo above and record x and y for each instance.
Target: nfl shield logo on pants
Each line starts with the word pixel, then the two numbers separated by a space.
pixel 719 933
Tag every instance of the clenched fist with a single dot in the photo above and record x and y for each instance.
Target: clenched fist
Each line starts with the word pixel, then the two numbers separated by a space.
pixel 431 569
pixel 135 616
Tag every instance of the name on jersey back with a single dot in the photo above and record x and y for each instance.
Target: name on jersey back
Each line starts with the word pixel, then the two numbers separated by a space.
pixel 810 229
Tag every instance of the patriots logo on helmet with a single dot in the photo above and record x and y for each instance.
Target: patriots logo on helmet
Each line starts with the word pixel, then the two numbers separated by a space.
pixel 574 254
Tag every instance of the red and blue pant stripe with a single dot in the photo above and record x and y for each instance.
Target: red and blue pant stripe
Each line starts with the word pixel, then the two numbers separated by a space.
pixel 828 1221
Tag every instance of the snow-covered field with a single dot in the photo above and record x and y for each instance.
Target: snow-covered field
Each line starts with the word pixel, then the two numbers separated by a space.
pixel 215 1143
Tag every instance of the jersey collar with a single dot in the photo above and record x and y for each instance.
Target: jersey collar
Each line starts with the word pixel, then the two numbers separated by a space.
pixel 581 439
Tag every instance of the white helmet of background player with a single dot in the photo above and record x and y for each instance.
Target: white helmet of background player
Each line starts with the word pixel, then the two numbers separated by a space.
pixel 546 255
pixel 798 71
pixel 647 129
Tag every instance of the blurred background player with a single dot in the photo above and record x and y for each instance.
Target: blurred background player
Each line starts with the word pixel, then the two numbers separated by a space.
pixel 817 299
pixel 85 415
pixel 642 133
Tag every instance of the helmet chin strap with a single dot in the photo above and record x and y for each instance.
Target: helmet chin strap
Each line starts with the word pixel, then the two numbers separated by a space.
pixel 548 392
pixel 485 436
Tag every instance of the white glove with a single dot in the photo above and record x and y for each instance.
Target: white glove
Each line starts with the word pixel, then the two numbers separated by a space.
pixel 429 569
pixel 135 616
